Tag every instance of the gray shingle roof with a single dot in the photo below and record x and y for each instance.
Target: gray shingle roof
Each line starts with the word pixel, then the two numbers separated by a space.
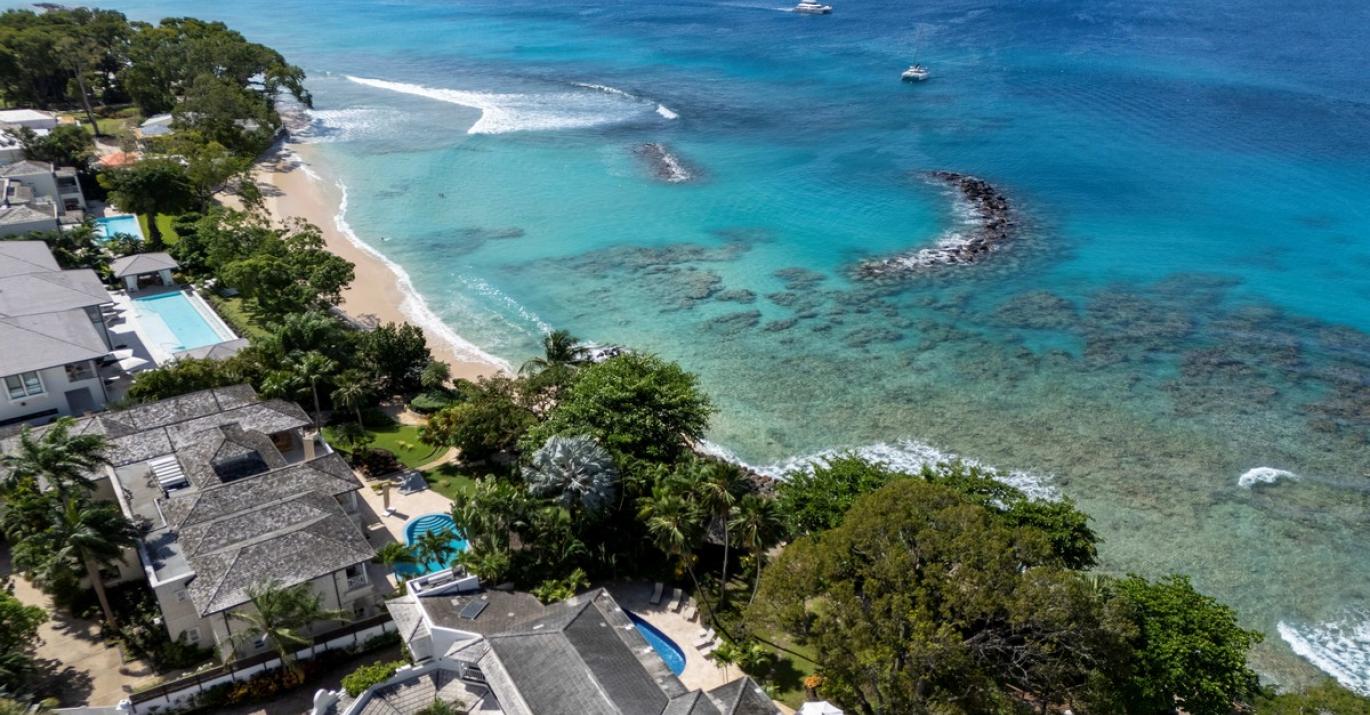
pixel 51 292
pixel 584 656
pixel 742 697
pixel 288 541
pixel 217 351
pixel 11 215
pixel 36 342
pixel 25 168
pixel 140 263
pixel 19 257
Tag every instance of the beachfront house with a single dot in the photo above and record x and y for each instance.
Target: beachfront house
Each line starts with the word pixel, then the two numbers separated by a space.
pixel 230 493
pixel 496 651
pixel 52 336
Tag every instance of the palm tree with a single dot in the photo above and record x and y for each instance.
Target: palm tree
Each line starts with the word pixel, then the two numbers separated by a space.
pixel 435 375
pixel 717 485
pixel 574 471
pixel 560 350
pixel 279 615
pixel 93 534
pixel 302 370
pixel 435 547
pixel 393 554
pixel 352 393
pixel 672 523
pixel 59 458
pixel 759 525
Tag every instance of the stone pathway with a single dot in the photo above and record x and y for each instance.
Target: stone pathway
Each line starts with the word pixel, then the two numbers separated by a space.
pixel 78 667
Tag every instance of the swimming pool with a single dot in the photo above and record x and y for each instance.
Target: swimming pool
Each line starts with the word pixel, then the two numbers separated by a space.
pixel 421 525
pixel 110 226
pixel 174 322
pixel 661 643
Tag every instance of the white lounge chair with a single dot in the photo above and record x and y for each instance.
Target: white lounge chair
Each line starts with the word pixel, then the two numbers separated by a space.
pixel 706 639
pixel 691 611
pixel 706 650
pixel 656 594
pixel 676 596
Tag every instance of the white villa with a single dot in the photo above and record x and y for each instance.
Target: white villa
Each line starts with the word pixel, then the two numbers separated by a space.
pixel 52 335
pixel 37 196
pixel 232 492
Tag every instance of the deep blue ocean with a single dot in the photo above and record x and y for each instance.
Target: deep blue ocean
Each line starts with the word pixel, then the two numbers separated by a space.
pixel 1178 338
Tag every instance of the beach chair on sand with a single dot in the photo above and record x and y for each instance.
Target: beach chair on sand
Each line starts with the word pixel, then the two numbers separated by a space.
pixel 706 638
pixel 656 594
pixel 676 597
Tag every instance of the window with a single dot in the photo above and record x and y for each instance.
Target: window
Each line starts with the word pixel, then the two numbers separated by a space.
pixel 25 384
pixel 193 635
pixel 356 576
pixel 78 371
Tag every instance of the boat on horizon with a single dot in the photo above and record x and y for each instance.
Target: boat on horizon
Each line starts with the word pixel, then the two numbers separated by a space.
pixel 812 7
pixel 916 73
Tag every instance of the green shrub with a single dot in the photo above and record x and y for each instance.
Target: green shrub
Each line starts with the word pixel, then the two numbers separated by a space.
pixel 356 682
pixel 426 403
pixel 384 640
pixel 560 589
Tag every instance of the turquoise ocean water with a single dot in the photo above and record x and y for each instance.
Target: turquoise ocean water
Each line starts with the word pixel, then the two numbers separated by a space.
pixel 1180 338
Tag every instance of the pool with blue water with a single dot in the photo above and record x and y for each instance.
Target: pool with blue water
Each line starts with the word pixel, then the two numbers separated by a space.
pixel 426 523
pixel 110 226
pixel 661 643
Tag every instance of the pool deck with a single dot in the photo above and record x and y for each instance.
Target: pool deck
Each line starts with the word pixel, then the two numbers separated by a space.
pixel 383 528
pixel 700 672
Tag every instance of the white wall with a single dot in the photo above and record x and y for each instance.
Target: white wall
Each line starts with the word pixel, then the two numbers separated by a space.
pixel 19 229
pixel 55 384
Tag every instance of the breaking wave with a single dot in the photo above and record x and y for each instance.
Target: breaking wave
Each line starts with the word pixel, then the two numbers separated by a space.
pixel 904 455
pixel 325 126
pixel 502 113
pixel 1263 475
pixel 1339 648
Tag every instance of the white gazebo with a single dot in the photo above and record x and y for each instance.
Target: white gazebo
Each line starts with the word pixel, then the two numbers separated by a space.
pixel 144 269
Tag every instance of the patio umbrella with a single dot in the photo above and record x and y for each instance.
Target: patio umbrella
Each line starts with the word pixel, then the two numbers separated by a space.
pixel 129 364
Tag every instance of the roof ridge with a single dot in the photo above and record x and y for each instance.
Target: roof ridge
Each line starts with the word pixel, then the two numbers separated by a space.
pixel 219 585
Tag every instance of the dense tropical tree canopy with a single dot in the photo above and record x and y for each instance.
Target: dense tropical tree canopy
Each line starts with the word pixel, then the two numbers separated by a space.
pixel 637 405
pixel 151 187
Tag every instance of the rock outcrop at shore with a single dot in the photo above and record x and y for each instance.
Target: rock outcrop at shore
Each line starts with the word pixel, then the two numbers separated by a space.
pixel 664 165
pixel 989 224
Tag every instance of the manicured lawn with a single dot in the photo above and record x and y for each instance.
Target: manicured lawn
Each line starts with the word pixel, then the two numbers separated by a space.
pixel 401 440
pixel 235 314
pixel 448 480
pixel 166 224
pixel 793 662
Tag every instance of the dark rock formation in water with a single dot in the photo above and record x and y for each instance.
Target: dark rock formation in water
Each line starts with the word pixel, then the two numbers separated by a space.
pixel 664 165
pixel 989 224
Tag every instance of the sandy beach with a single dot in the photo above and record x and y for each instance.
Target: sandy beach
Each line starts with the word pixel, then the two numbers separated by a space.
pixel 377 293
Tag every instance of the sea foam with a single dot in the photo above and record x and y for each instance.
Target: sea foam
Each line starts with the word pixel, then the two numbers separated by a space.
pixel 414 306
pixel 903 455
pixel 1263 475
pixel 1339 648
pixel 501 113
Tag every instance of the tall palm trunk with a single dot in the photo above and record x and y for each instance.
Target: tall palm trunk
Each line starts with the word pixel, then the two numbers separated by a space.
pixel 723 582
pixel 760 561
pixel 360 424
pixel 93 572
pixel 314 387
pixel 85 99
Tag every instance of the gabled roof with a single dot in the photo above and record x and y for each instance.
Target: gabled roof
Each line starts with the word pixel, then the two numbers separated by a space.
pixel 50 292
pixel 37 342
pixel 25 168
pixel 742 697
pixel 20 257
pixel 214 501
pixel 584 656
pixel 217 351
pixel 10 215
pixel 140 263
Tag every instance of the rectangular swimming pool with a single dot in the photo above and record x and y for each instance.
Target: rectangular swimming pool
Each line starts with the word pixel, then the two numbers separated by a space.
pixel 175 321
pixel 111 226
